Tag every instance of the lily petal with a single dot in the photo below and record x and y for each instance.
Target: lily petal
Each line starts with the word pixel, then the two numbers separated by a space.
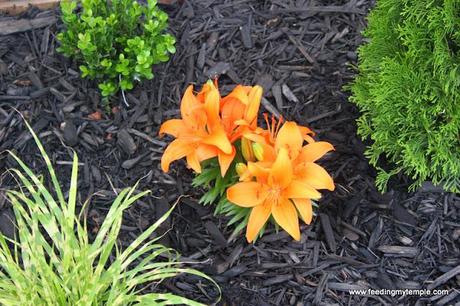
pixel 232 110
pixel 193 162
pixel 314 151
pixel 286 216
pixel 201 95
pixel 258 217
pixel 301 190
pixel 305 131
pixel 172 127
pixel 255 137
pixel 225 161
pixel 309 139
pixel 305 209
pixel 247 194
pixel 281 172
pixel 241 93
pixel 212 104
pixel 260 170
pixel 289 137
pixel 204 152
pixel 315 176
pixel 269 152
pixel 192 111
pixel 175 150
pixel 219 139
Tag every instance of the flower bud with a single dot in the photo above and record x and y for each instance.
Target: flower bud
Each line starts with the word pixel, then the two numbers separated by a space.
pixel 246 150
pixel 254 97
pixel 258 151
pixel 241 168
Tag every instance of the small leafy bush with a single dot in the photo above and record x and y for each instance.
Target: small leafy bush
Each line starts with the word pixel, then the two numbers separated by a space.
pixel 116 41
pixel 408 90
pixel 53 262
pixel 253 174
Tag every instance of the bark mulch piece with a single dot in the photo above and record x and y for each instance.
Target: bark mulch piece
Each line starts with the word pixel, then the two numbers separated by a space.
pixel 301 52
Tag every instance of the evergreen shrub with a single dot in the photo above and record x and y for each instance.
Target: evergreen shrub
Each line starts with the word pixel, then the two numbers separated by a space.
pixel 408 90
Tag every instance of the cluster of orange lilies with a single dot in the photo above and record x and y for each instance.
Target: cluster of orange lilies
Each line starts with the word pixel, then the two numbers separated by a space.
pixel 278 176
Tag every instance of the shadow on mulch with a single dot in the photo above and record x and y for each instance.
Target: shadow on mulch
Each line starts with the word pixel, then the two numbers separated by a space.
pixel 302 56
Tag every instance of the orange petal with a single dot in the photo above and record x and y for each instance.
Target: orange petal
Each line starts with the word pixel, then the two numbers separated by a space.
pixel 240 93
pixel 289 137
pixel 255 137
pixel 192 111
pixel 212 104
pixel 193 162
pixel 286 216
pixel 301 190
pixel 306 131
pixel 314 151
pixel 308 139
pixel 175 150
pixel 260 170
pixel 204 91
pixel 188 103
pixel 232 110
pixel 315 176
pixel 225 161
pixel 258 217
pixel 219 139
pixel 281 172
pixel 255 95
pixel 204 152
pixel 172 127
pixel 269 153
pixel 305 209
pixel 247 194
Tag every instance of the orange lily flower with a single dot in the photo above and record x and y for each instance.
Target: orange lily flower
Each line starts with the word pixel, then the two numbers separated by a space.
pixel 239 110
pixel 199 135
pixel 236 113
pixel 285 182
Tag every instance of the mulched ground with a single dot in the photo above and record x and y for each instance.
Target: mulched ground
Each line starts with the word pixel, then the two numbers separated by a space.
pixel 302 52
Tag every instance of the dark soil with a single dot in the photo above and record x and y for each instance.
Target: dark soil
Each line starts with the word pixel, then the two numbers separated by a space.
pixel 303 54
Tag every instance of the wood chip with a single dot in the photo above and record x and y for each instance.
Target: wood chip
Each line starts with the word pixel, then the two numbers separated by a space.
pixel 328 232
pixel 396 250
pixel 8 27
pixel 444 278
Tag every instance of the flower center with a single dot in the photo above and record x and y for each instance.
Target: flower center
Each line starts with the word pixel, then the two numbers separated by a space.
pixel 274 194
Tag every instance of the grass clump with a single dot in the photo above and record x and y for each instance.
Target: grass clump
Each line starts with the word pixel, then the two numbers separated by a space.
pixel 408 90
pixel 53 262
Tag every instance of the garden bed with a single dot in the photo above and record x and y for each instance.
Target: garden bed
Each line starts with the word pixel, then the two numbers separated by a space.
pixel 302 55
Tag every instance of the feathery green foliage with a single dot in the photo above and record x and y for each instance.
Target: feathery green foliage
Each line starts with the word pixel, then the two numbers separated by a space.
pixel 54 263
pixel 116 41
pixel 408 90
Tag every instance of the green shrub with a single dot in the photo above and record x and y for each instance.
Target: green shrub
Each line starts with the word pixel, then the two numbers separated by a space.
pixel 54 263
pixel 408 90
pixel 116 41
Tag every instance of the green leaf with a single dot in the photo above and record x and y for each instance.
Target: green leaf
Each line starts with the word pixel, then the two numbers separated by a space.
pixel 113 38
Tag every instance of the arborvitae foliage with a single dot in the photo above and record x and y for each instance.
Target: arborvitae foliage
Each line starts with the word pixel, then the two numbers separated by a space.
pixel 408 90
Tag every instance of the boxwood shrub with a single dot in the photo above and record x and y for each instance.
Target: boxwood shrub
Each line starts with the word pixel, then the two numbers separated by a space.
pixel 116 42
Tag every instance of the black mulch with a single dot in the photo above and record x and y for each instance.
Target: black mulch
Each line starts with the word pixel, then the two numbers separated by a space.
pixel 302 52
